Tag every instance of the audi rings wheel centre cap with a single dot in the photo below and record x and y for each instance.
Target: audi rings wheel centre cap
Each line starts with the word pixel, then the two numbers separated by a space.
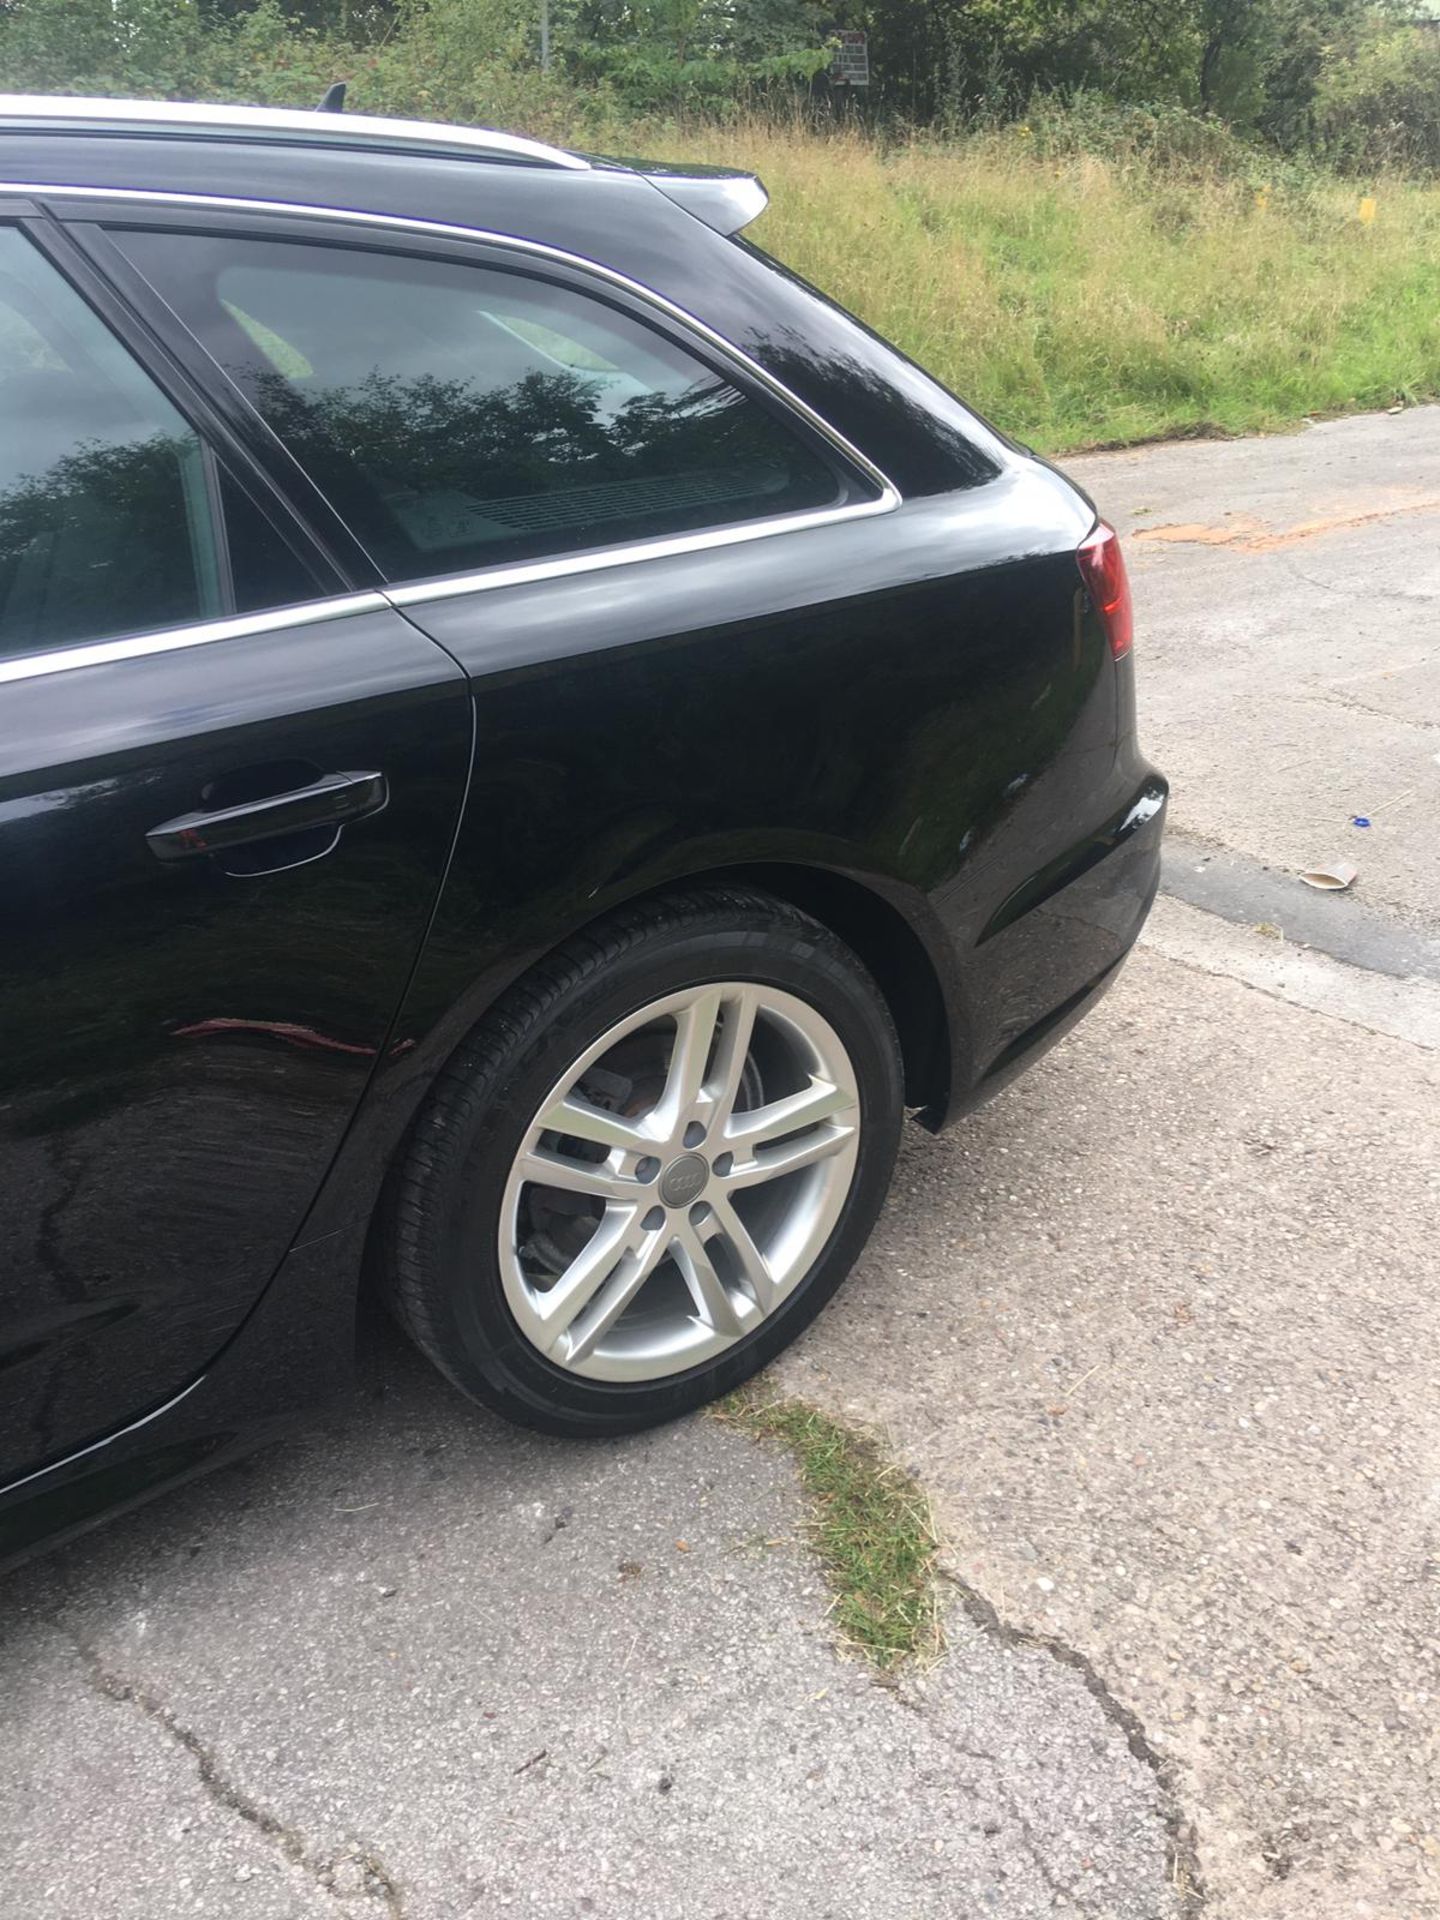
pixel 684 1180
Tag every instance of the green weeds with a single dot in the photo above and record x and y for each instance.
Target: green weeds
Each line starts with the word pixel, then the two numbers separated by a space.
pixel 871 1528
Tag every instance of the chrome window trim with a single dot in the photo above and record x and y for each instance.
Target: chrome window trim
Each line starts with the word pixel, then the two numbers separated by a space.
pixel 21 112
pixel 447 586
pixel 103 653
pixel 450 586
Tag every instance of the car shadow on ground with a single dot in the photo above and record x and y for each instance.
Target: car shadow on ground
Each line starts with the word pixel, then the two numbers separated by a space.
pixel 400 1428
pixel 390 1442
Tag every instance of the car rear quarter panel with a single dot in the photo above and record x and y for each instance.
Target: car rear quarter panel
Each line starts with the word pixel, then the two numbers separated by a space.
pixel 919 702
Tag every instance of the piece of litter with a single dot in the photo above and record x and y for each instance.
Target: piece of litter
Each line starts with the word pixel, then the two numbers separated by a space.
pixel 1359 820
pixel 1332 879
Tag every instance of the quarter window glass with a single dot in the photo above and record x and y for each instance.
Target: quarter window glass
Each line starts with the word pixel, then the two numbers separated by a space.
pixel 462 416
pixel 105 517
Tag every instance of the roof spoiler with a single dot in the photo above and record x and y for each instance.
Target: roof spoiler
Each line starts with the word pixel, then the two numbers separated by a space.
pixel 722 198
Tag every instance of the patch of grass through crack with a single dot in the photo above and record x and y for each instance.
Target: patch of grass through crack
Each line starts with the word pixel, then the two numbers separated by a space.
pixel 871 1528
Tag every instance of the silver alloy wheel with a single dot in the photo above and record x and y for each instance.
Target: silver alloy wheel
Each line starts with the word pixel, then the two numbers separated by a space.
pixel 679 1182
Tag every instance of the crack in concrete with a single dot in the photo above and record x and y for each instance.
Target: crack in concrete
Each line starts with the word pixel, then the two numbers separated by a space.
pixel 375 1879
pixel 1326 696
pixel 1368 593
pixel 1042 1866
pixel 1182 1863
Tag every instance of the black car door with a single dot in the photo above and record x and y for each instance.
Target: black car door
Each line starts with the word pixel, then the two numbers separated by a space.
pixel 229 785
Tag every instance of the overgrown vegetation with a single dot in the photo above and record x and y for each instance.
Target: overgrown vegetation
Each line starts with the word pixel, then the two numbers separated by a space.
pixel 871 1532
pixel 1084 297
pixel 1355 83
pixel 1100 221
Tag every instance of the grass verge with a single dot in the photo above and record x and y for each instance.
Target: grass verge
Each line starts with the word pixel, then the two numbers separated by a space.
pixel 1081 301
pixel 871 1528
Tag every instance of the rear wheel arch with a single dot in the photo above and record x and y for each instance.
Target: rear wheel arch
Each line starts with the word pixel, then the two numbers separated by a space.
pixel 897 958
pixel 903 965
pixel 888 946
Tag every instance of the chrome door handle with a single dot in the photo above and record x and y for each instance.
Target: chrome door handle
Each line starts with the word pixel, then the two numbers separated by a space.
pixel 333 800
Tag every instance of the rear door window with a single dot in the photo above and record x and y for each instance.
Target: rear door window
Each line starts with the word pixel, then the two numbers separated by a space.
pixel 463 416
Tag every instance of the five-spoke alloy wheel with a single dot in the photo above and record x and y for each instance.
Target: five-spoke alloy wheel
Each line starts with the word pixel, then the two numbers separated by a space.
pixel 650 1166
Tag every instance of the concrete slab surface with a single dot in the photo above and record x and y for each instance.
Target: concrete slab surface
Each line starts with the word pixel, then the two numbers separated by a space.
pixel 1287 596
pixel 417 1664
pixel 1159 1331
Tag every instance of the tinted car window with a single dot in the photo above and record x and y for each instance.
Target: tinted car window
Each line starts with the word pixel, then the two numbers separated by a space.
pixel 114 516
pixel 460 416
pixel 105 523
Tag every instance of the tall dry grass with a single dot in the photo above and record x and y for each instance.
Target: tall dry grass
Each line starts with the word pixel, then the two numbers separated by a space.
pixel 1080 301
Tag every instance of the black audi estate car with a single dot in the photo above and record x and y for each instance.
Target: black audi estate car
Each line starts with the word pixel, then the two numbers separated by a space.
pixel 530 740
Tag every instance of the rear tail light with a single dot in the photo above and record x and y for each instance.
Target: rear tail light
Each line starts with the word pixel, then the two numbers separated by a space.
pixel 1102 568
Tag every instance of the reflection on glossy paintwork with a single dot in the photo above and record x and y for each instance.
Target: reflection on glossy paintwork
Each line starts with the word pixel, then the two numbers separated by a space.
pixel 287 1032
pixel 180 1050
pixel 901 400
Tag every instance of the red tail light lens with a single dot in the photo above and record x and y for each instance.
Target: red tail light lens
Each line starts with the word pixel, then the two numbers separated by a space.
pixel 1102 568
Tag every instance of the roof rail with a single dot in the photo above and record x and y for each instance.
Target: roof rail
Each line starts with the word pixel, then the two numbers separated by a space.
pixel 73 113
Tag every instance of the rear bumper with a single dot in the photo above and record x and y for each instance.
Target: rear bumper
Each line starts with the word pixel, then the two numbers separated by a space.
pixel 1054 945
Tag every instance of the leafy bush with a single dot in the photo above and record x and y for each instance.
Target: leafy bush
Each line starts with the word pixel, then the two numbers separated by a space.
pixel 1168 139
pixel 1380 110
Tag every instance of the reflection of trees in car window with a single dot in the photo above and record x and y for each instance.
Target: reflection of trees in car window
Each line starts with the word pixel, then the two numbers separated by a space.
pixel 80 539
pixel 105 513
pixel 461 415
pixel 424 465
pixel 114 517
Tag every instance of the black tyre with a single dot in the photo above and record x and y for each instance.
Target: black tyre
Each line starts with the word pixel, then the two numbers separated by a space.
pixel 650 1167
